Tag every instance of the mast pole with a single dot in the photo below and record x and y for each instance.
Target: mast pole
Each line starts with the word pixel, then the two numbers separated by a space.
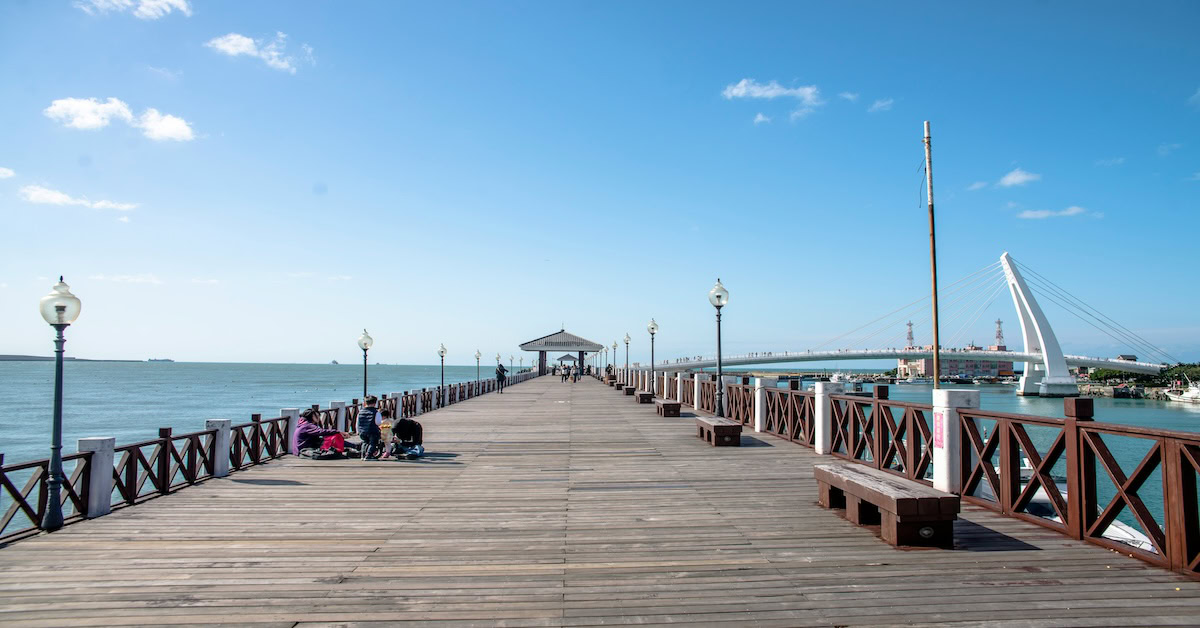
pixel 937 370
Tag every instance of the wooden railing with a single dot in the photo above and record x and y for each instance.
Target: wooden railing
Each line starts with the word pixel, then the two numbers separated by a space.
pixel 672 388
pixel 889 435
pixel 740 402
pixel 708 396
pixel 25 485
pixel 689 392
pixel 790 414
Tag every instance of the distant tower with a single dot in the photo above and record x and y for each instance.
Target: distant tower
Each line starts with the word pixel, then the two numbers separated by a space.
pixel 999 333
pixel 910 336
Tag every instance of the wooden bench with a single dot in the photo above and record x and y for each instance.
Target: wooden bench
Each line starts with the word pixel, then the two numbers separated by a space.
pixel 645 396
pixel 719 432
pixel 907 512
pixel 666 407
pixel 629 390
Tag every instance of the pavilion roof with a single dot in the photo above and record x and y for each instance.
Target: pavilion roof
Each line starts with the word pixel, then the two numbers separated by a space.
pixel 561 340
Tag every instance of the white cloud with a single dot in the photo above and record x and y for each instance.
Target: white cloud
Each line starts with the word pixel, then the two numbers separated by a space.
pixel 206 282
pixel 1194 177
pixel 1037 214
pixel 1115 161
pixel 978 185
pixel 272 53
pixel 1195 99
pixel 46 196
pixel 6 173
pixel 147 278
pixel 159 127
pixel 809 96
pixel 170 75
pixel 760 118
pixel 122 218
pixel 883 104
pixel 89 113
pixel 1166 149
pixel 142 9
pixel 1017 177
pixel 851 96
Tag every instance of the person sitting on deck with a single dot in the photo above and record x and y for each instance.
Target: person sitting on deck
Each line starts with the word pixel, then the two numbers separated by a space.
pixel 407 439
pixel 309 435
pixel 368 429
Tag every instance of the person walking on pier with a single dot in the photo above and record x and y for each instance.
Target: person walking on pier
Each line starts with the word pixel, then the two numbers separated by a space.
pixel 368 429
pixel 501 373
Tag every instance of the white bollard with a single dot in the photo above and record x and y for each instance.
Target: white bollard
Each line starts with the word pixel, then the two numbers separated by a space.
pixel 679 387
pixel 339 419
pixel 823 421
pixel 293 423
pixel 100 477
pixel 761 384
pixel 220 446
pixel 696 389
pixel 945 432
pixel 420 399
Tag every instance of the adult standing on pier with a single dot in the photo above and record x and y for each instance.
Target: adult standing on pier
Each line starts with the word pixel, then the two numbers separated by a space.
pixel 501 372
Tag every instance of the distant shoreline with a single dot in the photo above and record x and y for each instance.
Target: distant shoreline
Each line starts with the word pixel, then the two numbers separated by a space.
pixel 41 358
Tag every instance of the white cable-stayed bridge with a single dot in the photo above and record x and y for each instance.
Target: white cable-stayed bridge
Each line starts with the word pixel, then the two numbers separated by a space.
pixel 964 301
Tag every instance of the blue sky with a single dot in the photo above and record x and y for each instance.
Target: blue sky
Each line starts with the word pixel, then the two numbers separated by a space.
pixel 479 173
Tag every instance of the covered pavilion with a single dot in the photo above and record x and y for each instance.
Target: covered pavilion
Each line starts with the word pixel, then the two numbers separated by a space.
pixel 560 340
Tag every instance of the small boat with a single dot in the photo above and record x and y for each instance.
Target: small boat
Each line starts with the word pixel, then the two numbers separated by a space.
pixel 1189 395
pixel 334 362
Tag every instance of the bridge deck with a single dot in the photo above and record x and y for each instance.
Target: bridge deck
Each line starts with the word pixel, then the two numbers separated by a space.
pixel 557 504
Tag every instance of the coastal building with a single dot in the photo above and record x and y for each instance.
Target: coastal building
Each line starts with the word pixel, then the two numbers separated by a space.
pixel 951 366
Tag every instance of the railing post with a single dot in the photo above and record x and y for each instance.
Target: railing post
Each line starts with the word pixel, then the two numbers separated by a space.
pixel 220 445
pixel 823 416
pixel 696 389
pixel 761 384
pixel 100 474
pixel 420 401
pixel 880 394
pixel 946 432
pixel 679 387
pixel 293 423
pixel 1079 409
pixel 164 460
pixel 256 438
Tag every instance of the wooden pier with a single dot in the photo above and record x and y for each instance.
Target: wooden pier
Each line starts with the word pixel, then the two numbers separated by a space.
pixel 558 504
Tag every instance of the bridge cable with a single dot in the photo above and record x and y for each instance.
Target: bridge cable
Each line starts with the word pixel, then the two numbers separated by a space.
pixel 962 290
pixel 1120 339
pixel 903 307
pixel 1131 337
pixel 966 295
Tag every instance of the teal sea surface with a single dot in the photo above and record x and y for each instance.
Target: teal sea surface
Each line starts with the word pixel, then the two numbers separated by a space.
pixel 131 400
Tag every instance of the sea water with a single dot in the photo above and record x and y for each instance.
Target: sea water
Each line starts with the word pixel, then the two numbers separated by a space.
pixel 131 400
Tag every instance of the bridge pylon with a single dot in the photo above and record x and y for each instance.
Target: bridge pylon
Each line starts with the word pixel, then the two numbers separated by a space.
pixel 1050 378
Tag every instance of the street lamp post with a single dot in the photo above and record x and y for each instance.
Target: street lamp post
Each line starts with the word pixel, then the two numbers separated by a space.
pixel 442 387
pixel 477 356
pixel 364 342
pixel 627 339
pixel 719 296
pixel 652 327
pixel 615 356
pixel 60 308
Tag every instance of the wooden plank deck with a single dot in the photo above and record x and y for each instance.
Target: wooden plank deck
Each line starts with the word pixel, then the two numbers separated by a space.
pixel 557 505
